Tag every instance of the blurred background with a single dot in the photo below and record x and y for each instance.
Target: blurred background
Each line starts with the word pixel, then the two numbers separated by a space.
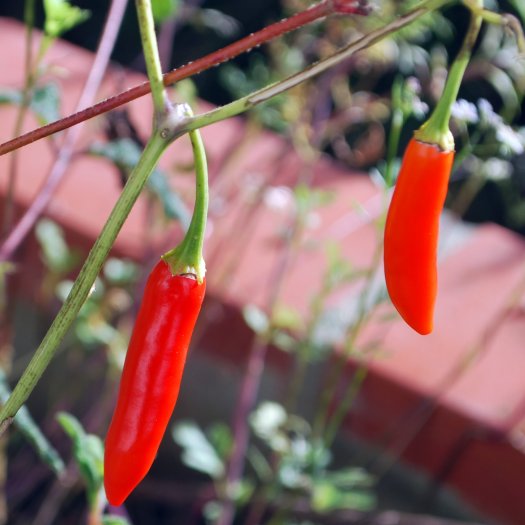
pixel 351 417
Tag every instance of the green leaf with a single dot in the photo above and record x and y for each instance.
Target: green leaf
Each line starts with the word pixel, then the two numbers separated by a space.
pixel 284 341
pixel 55 252
pixel 46 103
pixel 327 497
pixel 256 319
pixel 349 478
pixel 520 8
pixel 212 511
pixel 88 452
pixel 24 422
pixel 286 317
pixel 340 270
pixel 307 199
pixel 114 520
pixel 198 453
pixel 221 438
pixel 61 16
pixel 260 465
pixel 164 9
pixel 10 96
pixel 120 271
pixel 187 91
pixel 224 25
pixel 174 207
pixel 125 154
pixel 503 83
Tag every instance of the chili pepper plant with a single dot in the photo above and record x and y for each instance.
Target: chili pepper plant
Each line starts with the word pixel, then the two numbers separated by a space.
pixel 273 463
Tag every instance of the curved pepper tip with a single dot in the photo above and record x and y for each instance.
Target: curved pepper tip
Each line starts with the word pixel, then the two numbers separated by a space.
pixel 116 495
pixel 419 319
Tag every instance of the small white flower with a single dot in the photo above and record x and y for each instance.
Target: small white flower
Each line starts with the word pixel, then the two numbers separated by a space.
pixel 510 139
pixel 465 111
pixel 414 85
pixel 487 113
pixel 497 169
pixel 278 198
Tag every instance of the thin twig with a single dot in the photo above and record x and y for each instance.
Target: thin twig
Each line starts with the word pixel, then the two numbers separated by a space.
pixel 316 12
pixel 29 81
pixel 250 385
pixel 100 64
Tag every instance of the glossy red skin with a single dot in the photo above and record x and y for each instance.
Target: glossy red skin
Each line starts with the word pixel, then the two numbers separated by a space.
pixel 150 379
pixel 411 233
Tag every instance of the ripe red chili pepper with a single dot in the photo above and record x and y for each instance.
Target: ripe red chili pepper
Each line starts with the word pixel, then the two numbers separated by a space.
pixel 411 232
pixel 151 377
pixel 412 224
pixel 157 351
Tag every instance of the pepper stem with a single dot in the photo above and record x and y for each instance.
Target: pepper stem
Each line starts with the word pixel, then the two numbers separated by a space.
pixel 436 129
pixel 187 258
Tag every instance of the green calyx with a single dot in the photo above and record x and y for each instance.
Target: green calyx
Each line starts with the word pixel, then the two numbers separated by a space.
pixel 437 134
pixel 436 129
pixel 187 258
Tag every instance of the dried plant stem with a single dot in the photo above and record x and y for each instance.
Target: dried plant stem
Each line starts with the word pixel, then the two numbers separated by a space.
pixel 26 223
pixel 29 79
pixel 316 12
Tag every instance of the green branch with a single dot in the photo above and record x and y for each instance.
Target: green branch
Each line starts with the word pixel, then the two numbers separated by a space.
pixel 187 258
pixel 84 282
pixel 436 128
pixel 262 95
pixel 151 56
pixel 167 123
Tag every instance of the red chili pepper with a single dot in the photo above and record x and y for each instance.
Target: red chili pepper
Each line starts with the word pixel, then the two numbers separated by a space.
pixel 151 378
pixel 412 224
pixel 411 232
pixel 157 351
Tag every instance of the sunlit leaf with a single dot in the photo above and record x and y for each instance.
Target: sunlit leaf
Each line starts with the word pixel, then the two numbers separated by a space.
pixel 197 451
pixel 256 319
pixel 88 452
pixel 125 154
pixel 46 103
pixel 120 271
pixel 110 519
pixel 24 422
pixel 164 9
pixel 327 497
pixel 221 438
pixel 221 23
pixel 55 251
pixel 61 16
pixel 10 96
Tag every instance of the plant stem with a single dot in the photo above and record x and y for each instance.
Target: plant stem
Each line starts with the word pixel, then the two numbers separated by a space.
pixel 506 20
pixel 187 257
pixel 248 102
pixel 251 383
pixel 29 80
pixel 398 120
pixel 345 404
pixel 322 422
pixel 436 128
pixel 245 44
pixel 37 207
pixel 151 56
pixel 84 282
